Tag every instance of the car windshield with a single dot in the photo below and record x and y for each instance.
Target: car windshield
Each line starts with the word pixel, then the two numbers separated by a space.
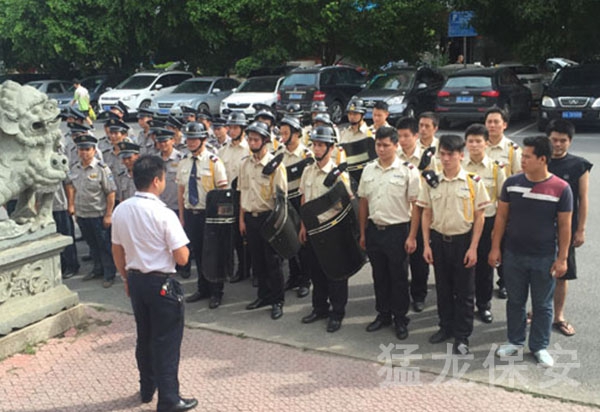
pixel 300 79
pixel 193 86
pixel 136 82
pixel 393 81
pixel 524 70
pixel 258 85
pixel 37 85
pixel 577 78
pixel 92 83
pixel 469 82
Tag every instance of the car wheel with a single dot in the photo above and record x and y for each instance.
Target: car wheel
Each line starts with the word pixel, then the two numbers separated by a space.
pixel 145 104
pixel 410 112
pixel 203 107
pixel 336 112
pixel 506 108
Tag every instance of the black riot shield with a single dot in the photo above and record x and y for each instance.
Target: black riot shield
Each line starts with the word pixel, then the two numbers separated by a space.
pixel 217 250
pixel 294 173
pixel 332 228
pixel 359 153
pixel 281 227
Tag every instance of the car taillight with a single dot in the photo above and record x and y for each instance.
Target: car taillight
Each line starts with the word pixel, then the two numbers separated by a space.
pixel 318 95
pixel 491 93
pixel 278 96
pixel 443 93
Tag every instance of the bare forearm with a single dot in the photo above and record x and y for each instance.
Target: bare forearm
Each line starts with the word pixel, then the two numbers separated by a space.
pixel 363 214
pixel 415 220
pixel 478 222
pixel 564 235
pixel 426 225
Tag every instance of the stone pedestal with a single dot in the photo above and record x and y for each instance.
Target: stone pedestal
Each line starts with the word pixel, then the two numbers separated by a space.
pixel 31 286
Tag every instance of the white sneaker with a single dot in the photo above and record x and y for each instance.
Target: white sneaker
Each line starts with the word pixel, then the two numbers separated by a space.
pixel 508 349
pixel 544 358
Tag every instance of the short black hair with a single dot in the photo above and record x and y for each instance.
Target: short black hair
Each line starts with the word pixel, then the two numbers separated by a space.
pixel 430 115
pixel 409 123
pixel 561 126
pixel 452 142
pixel 477 129
pixel 385 132
pixel 381 105
pixel 145 169
pixel 495 109
pixel 541 146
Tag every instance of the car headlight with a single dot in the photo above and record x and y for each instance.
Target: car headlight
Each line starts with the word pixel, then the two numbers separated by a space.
pixel 548 102
pixel 131 97
pixel 596 103
pixel 395 100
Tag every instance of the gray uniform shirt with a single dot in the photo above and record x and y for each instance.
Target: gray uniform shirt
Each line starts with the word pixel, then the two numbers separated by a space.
pixel 169 196
pixel 92 184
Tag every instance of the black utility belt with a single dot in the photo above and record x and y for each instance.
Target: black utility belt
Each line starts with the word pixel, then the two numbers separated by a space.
pixel 388 227
pixel 159 274
pixel 258 214
pixel 196 211
pixel 450 239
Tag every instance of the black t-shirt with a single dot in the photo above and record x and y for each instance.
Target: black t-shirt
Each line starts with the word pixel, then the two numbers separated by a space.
pixel 570 168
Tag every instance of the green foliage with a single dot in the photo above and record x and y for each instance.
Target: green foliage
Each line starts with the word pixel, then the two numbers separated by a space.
pixel 244 66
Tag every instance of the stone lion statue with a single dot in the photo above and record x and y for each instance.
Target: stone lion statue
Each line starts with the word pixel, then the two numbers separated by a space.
pixel 30 164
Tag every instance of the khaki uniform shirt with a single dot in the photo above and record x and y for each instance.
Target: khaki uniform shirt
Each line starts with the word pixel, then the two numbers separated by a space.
pixel 493 177
pixel 348 135
pixel 508 153
pixel 389 191
pixel 92 184
pixel 374 130
pixel 291 158
pixel 435 142
pixel 258 190
pixel 453 202
pixel 232 155
pixel 210 174
pixel 169 195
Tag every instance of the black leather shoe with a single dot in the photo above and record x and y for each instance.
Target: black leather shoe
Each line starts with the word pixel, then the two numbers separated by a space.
pixel 418 306
pixel 238 277
pixel 486 316
pixel 68 274
pixel 401 330
pixel 439 337
pixel 502 294
pixel 196 296
pixel 378 323
pixel 185 274
pixel 333 325
pixel 314 316
pixel 146 397
pixel 215 302
pixel 276 311
pixel 258 303
pixel 303 291
pixel 183 405
pixel 460 348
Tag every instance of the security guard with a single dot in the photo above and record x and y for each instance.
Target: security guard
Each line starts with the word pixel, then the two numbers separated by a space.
pixel 452 221
pixel 357 131
pixel 144 117
pixel 338 155
pixel 220 130
pixel 316 108
pixel 380 115
pixel 428 126
pixel 174 125
pixel 197 174
pixel 128 153
pixel 90 188
pixel 188 114
pixel 147 241
pixel 117 132
pixel 257 185
pixel 326 292
pixel 389 222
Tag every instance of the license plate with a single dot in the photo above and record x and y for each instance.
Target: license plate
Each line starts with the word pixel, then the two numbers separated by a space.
pixel 106 108
pixel 572 115
pixel 295 96
pixel 464 99
pixel 163 111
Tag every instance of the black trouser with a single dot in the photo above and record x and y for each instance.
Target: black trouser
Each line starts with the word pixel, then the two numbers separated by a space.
pixel 500 269
pixel 454 284
pixel 98 239
pixel 326 291
pixel 194 228
pixel 188 266
pixel 159 323
pixel 484 273
pixel 266 263
pixel 65 226
pixel 299 267
pixel 389 261
pixel 355 176
pixel 242 251
pixel 419 271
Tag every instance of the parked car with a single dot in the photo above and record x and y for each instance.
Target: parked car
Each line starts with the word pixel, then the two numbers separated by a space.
pixel 467 94
pixel 201 93
pixel 53 88
pixel 574 94
pixel 334 85
pixel 139 89
pixel 23 78
pixel 262 90
pixel 408 91
pixel 530 77
pixel 96 85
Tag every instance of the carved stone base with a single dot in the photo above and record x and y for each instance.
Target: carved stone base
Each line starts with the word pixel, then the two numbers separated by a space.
pixel 30 282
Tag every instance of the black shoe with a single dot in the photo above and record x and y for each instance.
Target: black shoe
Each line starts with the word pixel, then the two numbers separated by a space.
pixel 276 311
pixel 379 322
pixel 314 316
pixel 502 294
pixel 258 303
pixel 90 276
pixel 185 274
pixel 238 277
pixel 290 284
pixel 486 316
pixel 401 330
pixel 215 302
pixel 68 274
pixel 460 347
pixel 183 405
pixel 196 296
pixel 146 397
pixel 439 337
pixel 303 291
pixel 333 325
pixel 418 306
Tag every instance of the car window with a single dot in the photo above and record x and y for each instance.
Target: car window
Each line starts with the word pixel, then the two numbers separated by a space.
pixel 330 77
pixel 300 79
pixel 258 85
pixel 36 85
pixel 229 84
pixel 507 78
pixel 355 77
pixel 221 84
pixel 54 88
pixel 469 82
pixel 392 81
pixel 194 86
pixel 570 78
pixel 137 82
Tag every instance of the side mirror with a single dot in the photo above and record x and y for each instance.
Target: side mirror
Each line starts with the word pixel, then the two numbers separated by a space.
pixel 216 90
pixel 234 90
pixel 362 86
pixel 158 86
pixel 422 86
pixel 108 89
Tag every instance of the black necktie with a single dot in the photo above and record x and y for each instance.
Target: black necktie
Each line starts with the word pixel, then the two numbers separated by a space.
pixel 193 184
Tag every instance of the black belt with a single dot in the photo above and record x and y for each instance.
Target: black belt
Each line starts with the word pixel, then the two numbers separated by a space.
pixel 257 214
pixel 160 274
pixel 196 211
pixel 388 227
pixel 451 239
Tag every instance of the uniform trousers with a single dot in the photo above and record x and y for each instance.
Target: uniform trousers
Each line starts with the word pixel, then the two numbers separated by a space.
pixel 299 267
pixel 195 221
pixel 419 271
pixel 65 226
pixel 188 266
pixel 159 322
pixel 389 261
pixel 266 263
pixel 454 284
pixel 240 242
pixel 484 273
pixel 98 239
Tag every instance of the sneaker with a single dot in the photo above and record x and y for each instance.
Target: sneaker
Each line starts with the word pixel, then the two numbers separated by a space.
pixel 544 358
pixel 508 349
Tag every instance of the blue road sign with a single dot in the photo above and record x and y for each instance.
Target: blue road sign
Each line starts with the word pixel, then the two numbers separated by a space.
pixel 459 24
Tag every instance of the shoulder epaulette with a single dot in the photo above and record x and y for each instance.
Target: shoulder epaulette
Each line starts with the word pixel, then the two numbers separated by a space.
pixel 499 164
pixel 514 145
pixel 214 158
pixel 121 173
pixel 333 175
pixel 369 133
pixel 426 158
pixel 474 177
pixel 409 165
pixel 340 147
pixel 431 178
pixel 307 152
pixel 272 165
pixel 108 149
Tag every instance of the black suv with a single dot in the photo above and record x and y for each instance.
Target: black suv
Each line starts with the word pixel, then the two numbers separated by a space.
pixel 407 91
pixel 574 95
pixel 333 84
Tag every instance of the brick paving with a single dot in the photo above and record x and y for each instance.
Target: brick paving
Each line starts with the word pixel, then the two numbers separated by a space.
pixel 94 370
